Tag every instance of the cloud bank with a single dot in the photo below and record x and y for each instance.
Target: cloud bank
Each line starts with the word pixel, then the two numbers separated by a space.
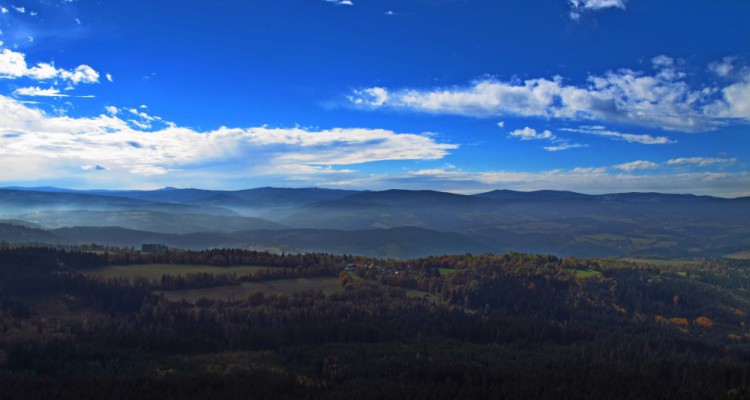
pixel 35 145
pixel 661 99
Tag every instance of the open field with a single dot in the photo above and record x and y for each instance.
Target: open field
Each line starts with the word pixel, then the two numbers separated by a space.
pixel 587 273
pixel 239 292
pixel 155 271
pixel 664 262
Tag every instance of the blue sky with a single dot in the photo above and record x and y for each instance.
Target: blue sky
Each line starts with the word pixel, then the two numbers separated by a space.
pixel 456 95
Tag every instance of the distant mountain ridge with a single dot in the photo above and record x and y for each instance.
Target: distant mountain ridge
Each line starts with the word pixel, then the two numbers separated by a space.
pixel 387 223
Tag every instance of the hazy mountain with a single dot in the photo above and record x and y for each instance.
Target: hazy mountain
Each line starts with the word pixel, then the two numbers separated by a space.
pixel 271 203
pixel 12 233
pixel 401 242
pixel 16 202
pixel 539 195
pixel 21 223
pixel 122 237
pixel 401 222
pixel 259 202
pixel 404 242
pixel 153 221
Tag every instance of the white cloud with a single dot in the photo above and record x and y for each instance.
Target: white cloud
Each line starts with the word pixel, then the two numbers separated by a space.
pixel 701 161
pixel 60 145
pixel 3 10
pixel 141 114
pixel 565 146
pixel 597 4
pixel 735 101
pixel 112 110
pixel 21 10
pixel 531 134
pixel 588 170
pixel 560 144
pixel 577 7
pixel 663 99
pixel 13 65
pixel 109 77
pixel 37 91
pixel 373 97
pixel 145 169
pixel 141 125
pixel 341 2
pixel 627 137
pixel 82 74
pixel 635 165
pixel 662 61
pixel 722 68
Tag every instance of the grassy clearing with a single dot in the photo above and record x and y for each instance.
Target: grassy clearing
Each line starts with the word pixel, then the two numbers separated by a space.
pixel 420 294
pixel 446 271
pixel 586 273
pixel 155 271
pixel 664 263
pixel 240 292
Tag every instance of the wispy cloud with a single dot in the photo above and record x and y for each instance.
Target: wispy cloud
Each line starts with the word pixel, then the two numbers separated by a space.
pixel 636 165
pixel 37 91
pixel 700 161
pixel 532 134
pixel 661 99
pixel 722 68
pixel 565 146
pixel 627 137
pixel 578 7
pixel 340 2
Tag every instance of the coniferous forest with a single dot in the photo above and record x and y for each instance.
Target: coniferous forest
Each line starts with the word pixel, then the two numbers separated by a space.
pixel 465 326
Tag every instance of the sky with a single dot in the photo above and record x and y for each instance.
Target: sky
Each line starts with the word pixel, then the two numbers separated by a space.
pixel 465 96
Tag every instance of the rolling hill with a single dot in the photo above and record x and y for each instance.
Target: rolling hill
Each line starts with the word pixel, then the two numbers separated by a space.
pixel 397 223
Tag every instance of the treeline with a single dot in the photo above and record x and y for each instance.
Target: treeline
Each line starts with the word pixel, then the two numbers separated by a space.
pixel 473 326
pixel 78 258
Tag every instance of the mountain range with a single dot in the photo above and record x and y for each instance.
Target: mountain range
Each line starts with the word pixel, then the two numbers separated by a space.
pixel 391 223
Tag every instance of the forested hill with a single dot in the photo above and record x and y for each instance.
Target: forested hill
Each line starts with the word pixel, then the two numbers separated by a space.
pixel 486 326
